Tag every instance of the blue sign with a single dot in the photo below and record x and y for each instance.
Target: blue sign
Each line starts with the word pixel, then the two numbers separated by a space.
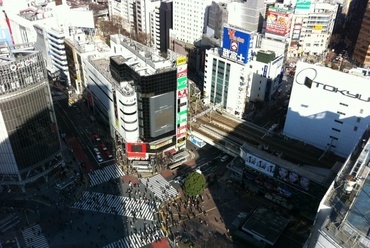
pixel 236 45
pixel 198 142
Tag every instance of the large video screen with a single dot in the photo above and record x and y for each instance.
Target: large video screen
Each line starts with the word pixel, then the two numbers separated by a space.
pixel 162 114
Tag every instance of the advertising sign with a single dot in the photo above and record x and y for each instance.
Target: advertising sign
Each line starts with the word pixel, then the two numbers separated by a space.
pixel 316 29
pixel 303 4
pixel 182 118
pixel 182 128
pixel 278 21
pixel 182 93
pixel 181 60
pixel 197 141
pixel 182 71
pixel 182 83
pixel 259 164
pixel 235 45
pixel 293 178
pixel 161 107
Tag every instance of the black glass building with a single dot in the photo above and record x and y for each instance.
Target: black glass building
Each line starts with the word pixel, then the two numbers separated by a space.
pixel 156 99
pixel 29 138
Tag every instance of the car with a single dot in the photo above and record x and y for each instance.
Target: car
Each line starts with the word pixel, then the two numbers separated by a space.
pixel 224 158
pixel 109 154
pixel 96 150
pixel 102 146
pixel 99 158
pixel 97 137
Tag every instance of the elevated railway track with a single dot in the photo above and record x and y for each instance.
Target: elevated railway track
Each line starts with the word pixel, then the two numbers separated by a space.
pixel 233 132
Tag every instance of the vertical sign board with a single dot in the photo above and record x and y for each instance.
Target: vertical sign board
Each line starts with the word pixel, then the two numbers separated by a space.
pixel 182 93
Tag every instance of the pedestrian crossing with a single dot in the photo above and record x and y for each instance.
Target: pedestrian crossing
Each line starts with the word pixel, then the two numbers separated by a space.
pixel 160 187
pixel 105 174
pixel 60 97
pixel 136 240
pixel 120 205
pixel 34 238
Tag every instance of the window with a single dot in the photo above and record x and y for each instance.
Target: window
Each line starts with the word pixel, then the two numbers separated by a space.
pixel 334 138
pixel 338 121
pixel 343 104
pixel 341 113
pixel 358 119
pixel 355 128
pixel 336 130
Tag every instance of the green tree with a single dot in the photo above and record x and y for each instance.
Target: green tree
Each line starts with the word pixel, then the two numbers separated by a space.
pixel 194 184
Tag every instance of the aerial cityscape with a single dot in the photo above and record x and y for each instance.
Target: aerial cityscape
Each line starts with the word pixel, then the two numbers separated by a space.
pixel 184 123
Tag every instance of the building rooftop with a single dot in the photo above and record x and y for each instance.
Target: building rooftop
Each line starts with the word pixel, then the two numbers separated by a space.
pixel 143 59
pixel 266 224
pixel 348 222
pixel 102 65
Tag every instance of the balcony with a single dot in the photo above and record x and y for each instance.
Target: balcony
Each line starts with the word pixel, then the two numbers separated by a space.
pixel 58 56
pixel 63 68
pixel 61 52
pixel 56 40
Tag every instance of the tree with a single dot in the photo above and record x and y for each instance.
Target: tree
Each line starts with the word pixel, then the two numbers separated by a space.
pixel 194 184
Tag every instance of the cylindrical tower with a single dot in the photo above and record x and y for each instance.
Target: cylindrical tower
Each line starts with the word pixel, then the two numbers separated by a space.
pixel 29 139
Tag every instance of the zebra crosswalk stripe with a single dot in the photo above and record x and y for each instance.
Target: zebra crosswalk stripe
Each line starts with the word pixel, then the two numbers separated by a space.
pixel 136 240
pixel 105 174
pixel 112 204
pixel 160 187
pixel 34 237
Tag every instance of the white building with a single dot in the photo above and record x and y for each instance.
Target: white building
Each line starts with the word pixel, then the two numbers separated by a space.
pixel 240 72
pixel 225 82
pixel 123 9
pixel 329 114
pixel 155 28
pixel 47 24
pixel 188 19
pixel 312 27
pixel 135 14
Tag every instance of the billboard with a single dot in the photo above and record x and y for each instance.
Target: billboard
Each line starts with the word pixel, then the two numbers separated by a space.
pixel 181 60
pixel 182 118
pixel 303 4
pixel 182 83
pixel 182 93
pixel 136 150
pixel 278 21
pixel 236 45
pixel 259 164
pixel 182 71
pixel 293 178
pixel 161 109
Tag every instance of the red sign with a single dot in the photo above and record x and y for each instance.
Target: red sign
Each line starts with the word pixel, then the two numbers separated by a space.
pixel 182 93
pixel 278 22
pixel 180 135
pixel 182 127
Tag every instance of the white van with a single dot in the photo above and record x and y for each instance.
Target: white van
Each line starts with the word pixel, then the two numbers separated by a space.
pixel 224 158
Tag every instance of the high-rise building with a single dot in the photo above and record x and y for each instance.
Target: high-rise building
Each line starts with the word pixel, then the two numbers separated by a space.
pixel 336 125
pixel 311 27
pixel 362 48
pixel 141 96
pixel 240 72
pixel 188 19
pixel 29 139
pixel 165 24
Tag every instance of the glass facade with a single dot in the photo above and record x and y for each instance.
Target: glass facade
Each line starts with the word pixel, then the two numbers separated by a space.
pixel 220 82
pixel 147 87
